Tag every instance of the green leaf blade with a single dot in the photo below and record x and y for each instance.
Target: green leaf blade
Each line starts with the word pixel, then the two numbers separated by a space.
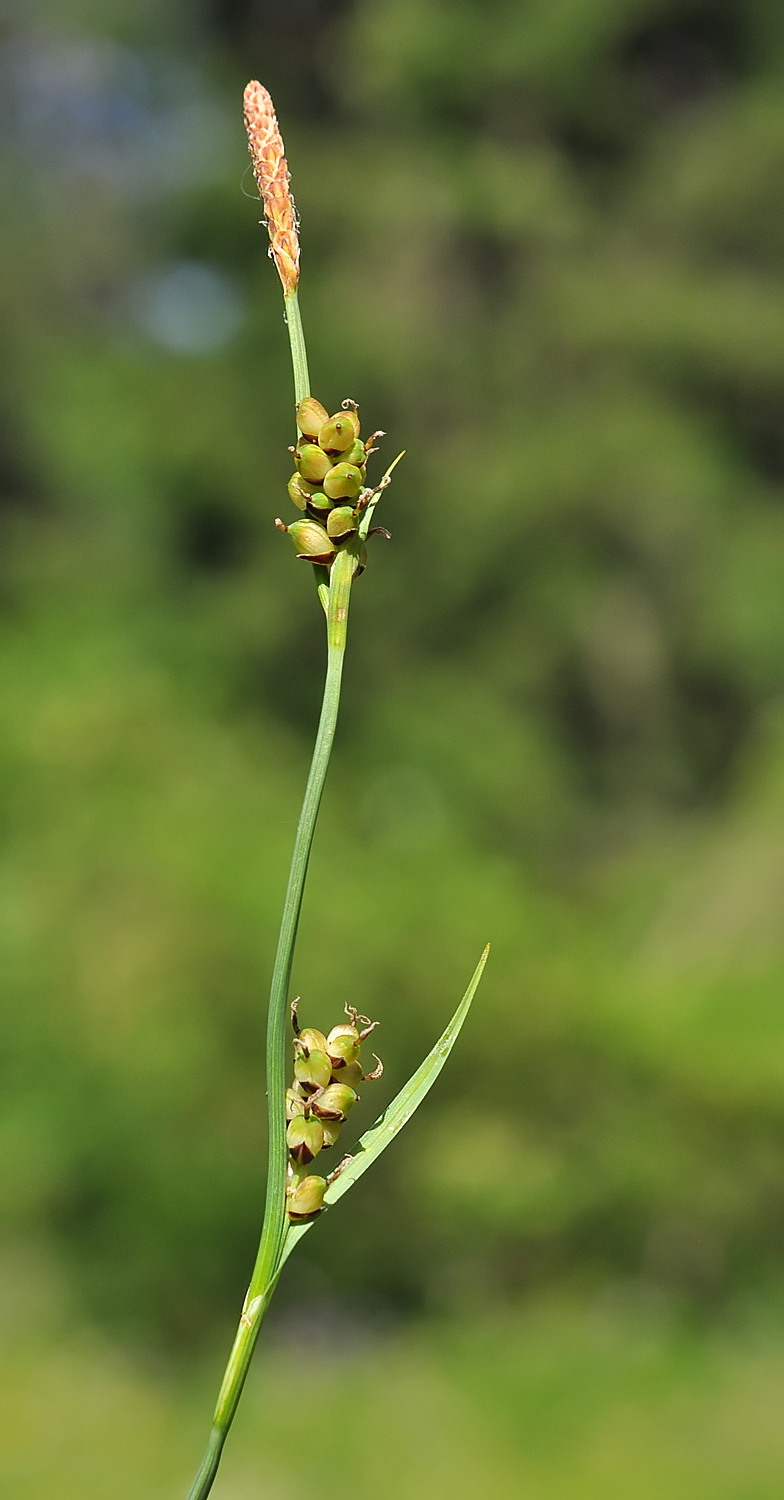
pixel 397 1113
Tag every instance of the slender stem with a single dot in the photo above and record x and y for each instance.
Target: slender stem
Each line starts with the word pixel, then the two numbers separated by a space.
pixel 299 357
pixel 274 1217
pixel 268 1261
pixel 208 1467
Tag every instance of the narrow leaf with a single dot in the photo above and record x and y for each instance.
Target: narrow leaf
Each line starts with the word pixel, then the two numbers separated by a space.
pixel 384 482
pixel 378 1137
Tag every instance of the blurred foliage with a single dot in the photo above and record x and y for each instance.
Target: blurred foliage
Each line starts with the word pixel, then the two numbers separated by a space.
pixel 563 1400
pixel 542 246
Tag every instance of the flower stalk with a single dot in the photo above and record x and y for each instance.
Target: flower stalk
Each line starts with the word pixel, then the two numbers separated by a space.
pixel 268 1260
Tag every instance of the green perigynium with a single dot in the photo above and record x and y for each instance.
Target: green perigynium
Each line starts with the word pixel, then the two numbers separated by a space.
pixel 311 541
pixel 305 1138
pixel 305 1197
pixel 330 1131
pixel 312 463
pixel 343 482
pixel 309 1038
pixel 295 1102
pixel 300 491
pixel 310 417
pixel 335 1101
pixel 312 1070
pixel 356 455
pixel 339 432
pixel 305 1114
pixel 342 1046
pixel 341 521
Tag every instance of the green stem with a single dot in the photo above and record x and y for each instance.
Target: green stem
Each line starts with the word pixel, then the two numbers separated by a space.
pixel 299 357
pixel 208 1467
pixel 274 1225
pixel 268 1260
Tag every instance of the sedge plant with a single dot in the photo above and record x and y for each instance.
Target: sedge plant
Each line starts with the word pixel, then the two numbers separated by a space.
pixel 336 507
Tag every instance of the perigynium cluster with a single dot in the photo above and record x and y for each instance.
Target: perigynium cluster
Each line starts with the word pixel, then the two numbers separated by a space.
pixel 327 1070
pixel 328 483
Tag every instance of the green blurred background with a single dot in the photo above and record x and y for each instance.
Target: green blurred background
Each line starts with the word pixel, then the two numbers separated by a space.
pixel 543 245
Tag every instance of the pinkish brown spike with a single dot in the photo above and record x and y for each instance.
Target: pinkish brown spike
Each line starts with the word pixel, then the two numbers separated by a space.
pixel 272 179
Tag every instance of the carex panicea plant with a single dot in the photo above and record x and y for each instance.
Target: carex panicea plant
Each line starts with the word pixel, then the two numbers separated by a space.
pixel 336 505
